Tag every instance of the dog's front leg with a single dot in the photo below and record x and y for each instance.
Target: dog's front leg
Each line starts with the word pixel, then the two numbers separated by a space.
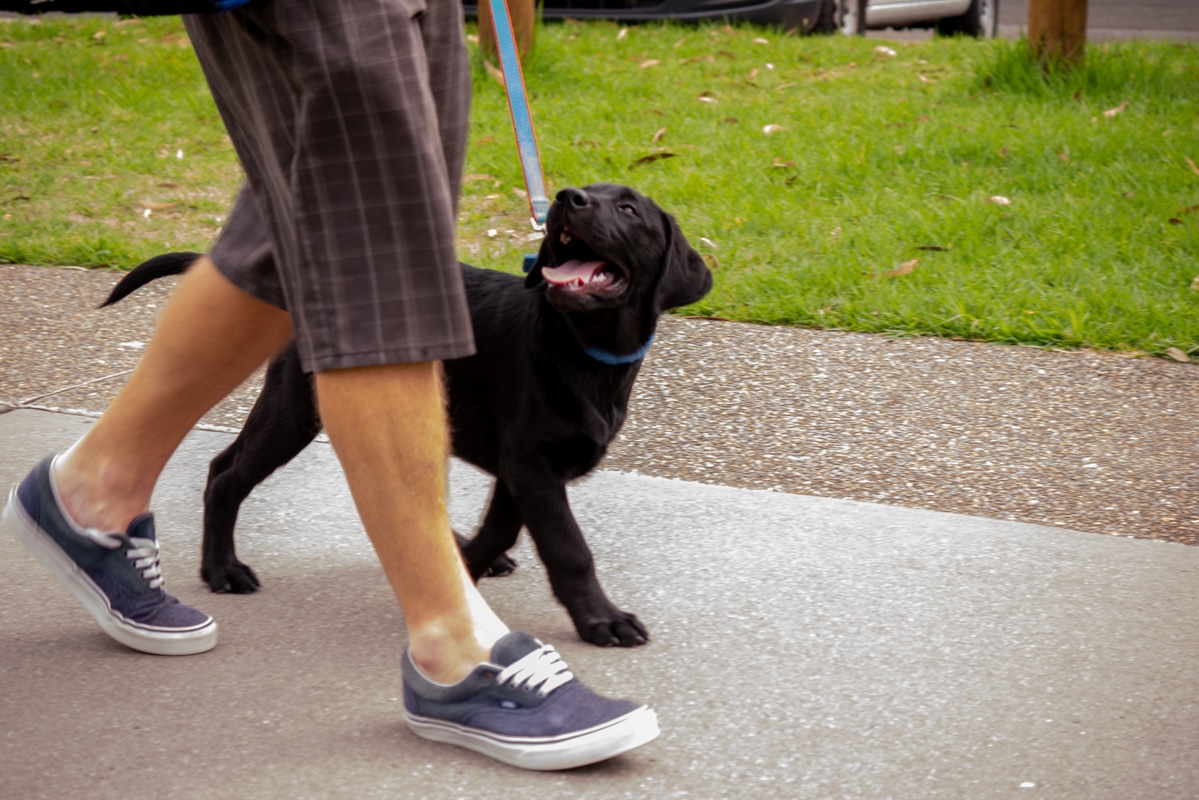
pixel 543 504
pixel 485 553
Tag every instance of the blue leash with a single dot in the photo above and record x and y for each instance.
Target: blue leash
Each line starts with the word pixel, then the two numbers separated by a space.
pixel 522 121
pixel 530 159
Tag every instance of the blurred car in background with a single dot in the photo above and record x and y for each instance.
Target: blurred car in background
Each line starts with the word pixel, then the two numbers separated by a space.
pixel 978 18
pixel 853 17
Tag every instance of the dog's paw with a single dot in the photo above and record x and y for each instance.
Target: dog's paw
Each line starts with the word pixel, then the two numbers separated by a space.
pixel 621 630
pixel 232 577
pixel 498 568
pixel 501 567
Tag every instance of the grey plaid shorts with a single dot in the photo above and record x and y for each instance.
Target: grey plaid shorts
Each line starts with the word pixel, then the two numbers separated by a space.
pixel 350 120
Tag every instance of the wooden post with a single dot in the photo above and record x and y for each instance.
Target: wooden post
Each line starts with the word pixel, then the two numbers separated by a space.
pixel 523 13
pixel 1057 31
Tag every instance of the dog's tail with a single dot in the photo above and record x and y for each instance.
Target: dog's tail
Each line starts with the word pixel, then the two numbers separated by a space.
pixel 152 270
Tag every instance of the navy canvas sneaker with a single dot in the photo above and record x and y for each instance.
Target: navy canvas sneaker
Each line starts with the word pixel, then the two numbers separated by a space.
pixel 525 708
pixel 115 575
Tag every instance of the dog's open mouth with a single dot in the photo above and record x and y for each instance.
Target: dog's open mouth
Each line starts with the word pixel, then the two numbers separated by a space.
pixel 577 268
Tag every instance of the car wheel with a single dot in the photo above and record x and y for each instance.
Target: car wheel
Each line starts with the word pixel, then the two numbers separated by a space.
pixel 845 16
pixel 980 20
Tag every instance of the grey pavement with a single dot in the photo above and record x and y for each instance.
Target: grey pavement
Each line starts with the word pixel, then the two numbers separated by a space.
pixel 1118 19
pixel 1107 20
pixel 803 646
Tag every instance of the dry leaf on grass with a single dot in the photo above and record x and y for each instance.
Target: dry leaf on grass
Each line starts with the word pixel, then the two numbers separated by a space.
pixel 651 158
pixel 1178 355
pixel 658 136
pixel 494 72
pixel 883 51
pixel 769 129
pixel 650 62
pixel 999 200
pixel 1112 112
pixel 904 269
pixel 1194 169
pixel 1195 284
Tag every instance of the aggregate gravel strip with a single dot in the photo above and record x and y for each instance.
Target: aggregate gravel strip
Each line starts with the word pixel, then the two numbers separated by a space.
pixel 53 337
pixel 1092 441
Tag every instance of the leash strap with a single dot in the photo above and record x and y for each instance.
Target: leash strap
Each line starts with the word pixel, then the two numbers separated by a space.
pixel 518 106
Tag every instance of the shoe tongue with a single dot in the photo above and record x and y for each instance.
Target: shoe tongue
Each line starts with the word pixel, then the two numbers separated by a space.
pixel 142 527
pixel 513 647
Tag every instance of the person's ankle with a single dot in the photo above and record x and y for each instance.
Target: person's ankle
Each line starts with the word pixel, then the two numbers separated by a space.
pixel 445 657
pixel 87 506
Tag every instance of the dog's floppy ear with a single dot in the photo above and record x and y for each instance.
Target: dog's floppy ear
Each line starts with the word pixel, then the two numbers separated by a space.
pixel 544 259
pixel 685 277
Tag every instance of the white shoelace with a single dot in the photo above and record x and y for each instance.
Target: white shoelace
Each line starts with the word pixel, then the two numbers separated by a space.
pixel 144 555
pixel 542 669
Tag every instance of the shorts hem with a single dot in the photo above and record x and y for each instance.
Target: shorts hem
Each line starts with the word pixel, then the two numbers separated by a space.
pixel 375 358
pixel 271 294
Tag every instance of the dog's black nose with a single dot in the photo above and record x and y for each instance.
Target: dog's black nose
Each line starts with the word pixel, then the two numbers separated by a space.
pixel 575 197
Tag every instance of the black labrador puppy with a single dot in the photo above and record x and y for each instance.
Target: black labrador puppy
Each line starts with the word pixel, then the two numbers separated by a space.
pixel 536 406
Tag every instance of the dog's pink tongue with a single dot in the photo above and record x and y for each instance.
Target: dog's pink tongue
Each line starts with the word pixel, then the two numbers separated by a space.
pixel 571 271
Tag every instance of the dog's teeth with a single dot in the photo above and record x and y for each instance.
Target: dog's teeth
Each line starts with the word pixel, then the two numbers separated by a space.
pixel 564 238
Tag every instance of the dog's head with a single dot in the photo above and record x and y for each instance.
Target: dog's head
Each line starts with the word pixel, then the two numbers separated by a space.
pixel 609 246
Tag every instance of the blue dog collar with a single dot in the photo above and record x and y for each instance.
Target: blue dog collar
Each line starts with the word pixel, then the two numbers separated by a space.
pixel 614 360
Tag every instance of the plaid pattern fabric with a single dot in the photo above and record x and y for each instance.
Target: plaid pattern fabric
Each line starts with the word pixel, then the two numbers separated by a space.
pixel 350 119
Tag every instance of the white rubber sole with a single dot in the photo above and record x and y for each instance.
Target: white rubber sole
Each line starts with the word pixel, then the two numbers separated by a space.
pixel 545 753
pixel 94 601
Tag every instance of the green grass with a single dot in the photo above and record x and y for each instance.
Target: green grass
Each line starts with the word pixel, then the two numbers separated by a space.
pixel 879 161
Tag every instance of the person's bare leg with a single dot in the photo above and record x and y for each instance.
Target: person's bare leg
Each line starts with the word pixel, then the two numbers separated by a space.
pixel 211 337
pixel 387 425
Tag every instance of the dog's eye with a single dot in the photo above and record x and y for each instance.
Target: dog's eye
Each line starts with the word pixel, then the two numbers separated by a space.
pixel 628 208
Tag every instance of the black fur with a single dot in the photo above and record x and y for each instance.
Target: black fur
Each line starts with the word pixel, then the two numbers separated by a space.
pixel 530 407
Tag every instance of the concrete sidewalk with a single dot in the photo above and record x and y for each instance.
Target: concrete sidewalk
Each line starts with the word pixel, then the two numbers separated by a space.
pixel 802 647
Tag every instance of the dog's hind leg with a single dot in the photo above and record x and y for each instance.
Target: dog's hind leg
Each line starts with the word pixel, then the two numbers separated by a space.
pixel 283 422
pixel 485 553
